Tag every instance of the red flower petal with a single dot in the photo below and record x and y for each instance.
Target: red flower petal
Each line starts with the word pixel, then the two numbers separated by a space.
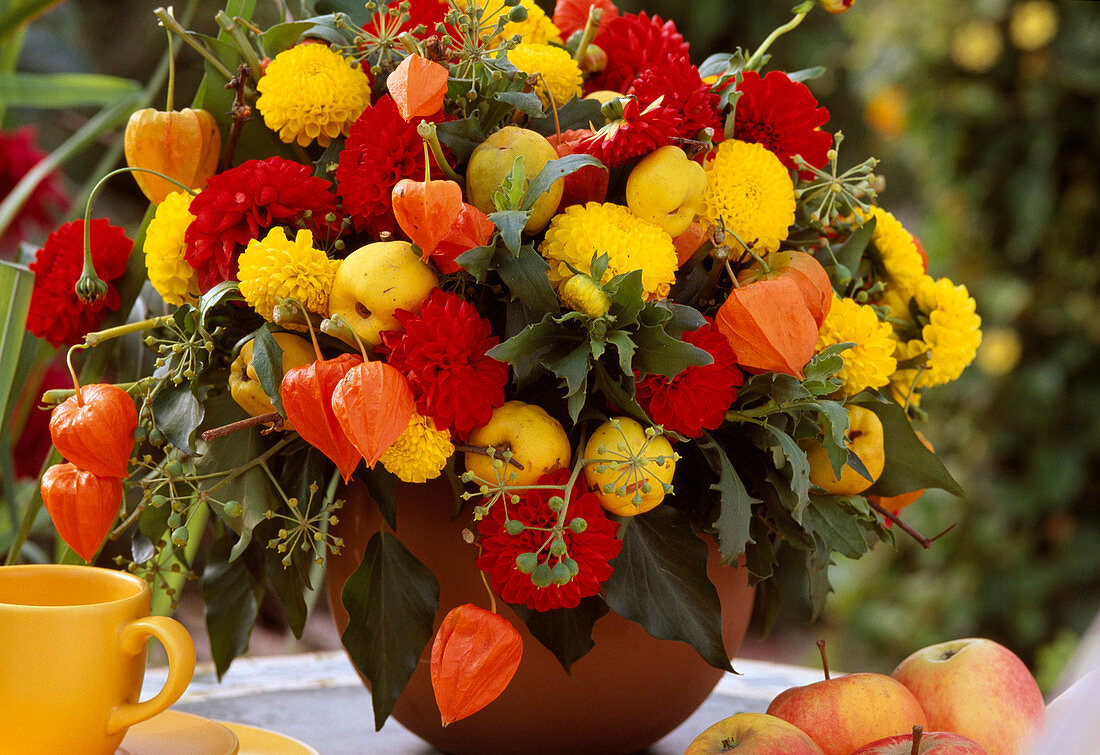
pixel 783 116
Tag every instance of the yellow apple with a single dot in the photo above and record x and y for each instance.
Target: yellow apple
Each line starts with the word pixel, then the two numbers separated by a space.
pixel 492 160
pixel 753 734
pixel 244 383
pixel 537 441
pixel 864 439
pixel 630 466
pixel 376 280
pixel 666 188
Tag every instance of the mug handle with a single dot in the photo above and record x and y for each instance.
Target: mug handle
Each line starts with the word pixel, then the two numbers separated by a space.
pixel 181 666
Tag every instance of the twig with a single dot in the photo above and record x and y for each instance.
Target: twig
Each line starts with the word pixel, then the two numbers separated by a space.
pixel 492 451
pixel 244 424
pixel 925 542
pixel 241 111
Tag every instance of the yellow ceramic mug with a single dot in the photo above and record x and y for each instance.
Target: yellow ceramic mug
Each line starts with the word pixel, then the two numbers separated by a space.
pixel 72 658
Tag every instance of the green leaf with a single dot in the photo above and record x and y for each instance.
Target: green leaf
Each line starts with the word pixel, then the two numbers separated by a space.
pixel 391 601
pixel 232 599
pixel 526 279
pixel 807 74
pixel 219 294
pixel 834 423
pixel 476 261
pixel 852 250
pixel 267 360
pixel 537 341
pixel 510 194
pixel 553 171
pixel 16 284
pixel 834 524
pixel 16 14
pixel 734 505
pixel 660 581
pixel 658 352
pixel 566 632
pixel 800 468
pixel 461 137
pixel 909 465
pixel 177 412
pixel 626 297
pixel 284 36
pixel 577 113
pixel 526 102
pixel 382 487
pixel 683 320
pixel 624 347
pixel 510 224
pixel 61 91
pixel 817 570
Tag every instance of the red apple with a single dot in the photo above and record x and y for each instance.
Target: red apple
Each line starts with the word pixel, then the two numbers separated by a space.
pixel 978 688
pixel 844 712
pixel 927 743
pixel 753 734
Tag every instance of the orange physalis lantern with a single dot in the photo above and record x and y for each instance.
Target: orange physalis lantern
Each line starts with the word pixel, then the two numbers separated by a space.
pixel 94 429
pixel 181 144
pixel 307 401
pixel 806 273
pixel 472 228
pixel 769 326
pixel 82 506
pixel 426 211
pixel 418 87
pixel 474 656
pixel 373 404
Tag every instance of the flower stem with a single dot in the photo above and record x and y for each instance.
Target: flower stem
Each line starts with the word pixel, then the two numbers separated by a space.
pixel 169 22
pixel 431 139
pixel 755 61
pixel 99 336
pixel 591 26
pixel 76 380
pixel 169 101
pixel 231 27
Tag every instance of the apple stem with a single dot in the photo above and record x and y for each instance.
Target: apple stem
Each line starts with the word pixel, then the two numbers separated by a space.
pixel 824 658
pixel 918 733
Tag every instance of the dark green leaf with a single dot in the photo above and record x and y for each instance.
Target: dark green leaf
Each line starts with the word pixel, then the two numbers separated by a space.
pixel 683 319
pixel 817 570
pixel 526 279
pixel 909 465
pixel 800 468
pixel 288 585
pixel 391 601
pixel 760 554
pixel 526 102
pixel 620 394
pixel 807 74
pixel 835 525
pixel 461 137
pixel 267 360
pixel 658 352
pixel 624 346
pixel 566 632
pixel 64 90
pixel 510 224
pixel 577 113
pixel 232 599
pixel 660 581
pixel 538 341
pixel 852 249
pixel 572 368
pixel 178 413
pixel 734 505
pixel 476 261
pixel 382 487
pixel 834 423
pixel 284 36
pixel 222 292
pixel 553 171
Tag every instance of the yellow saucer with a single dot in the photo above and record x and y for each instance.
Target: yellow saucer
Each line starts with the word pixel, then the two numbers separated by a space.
pixel 256 741
pixel 176 733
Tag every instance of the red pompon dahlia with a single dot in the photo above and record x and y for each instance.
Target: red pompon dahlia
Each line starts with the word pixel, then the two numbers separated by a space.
pixel 638 131
pixel 683 89
pixel 381 149
pixel 783 116
pixel 696 399
pixel 18 154
pixel 238 204
pixel 592 550
pixel 633 43
pixel 56 314
pixel 571 16
pixel 441 350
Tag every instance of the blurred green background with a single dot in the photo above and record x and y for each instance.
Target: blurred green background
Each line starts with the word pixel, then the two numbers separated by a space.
pixel 986 117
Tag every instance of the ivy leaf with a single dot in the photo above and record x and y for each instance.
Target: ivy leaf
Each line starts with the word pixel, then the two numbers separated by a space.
pixel 734 505
pixel 267 360
pixel 553 171
pixel 525 276
pixel 526 102
pixel 223 292
pixel 177 412
pixel 660 581
pixel 566 632
pixel 909 465
pixel 391 599
pixel 577 113
pixel 232 598
pixel 382 486
pixel 510 224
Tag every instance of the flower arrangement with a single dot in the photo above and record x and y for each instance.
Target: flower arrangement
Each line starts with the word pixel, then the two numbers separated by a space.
pixel 621 301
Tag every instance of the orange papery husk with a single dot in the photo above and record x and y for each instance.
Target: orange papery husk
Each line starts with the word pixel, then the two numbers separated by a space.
pixel 474 656
pixel 688 242
pixel 806 273
pixel 94 429
pixel 769 326
pixel 181 144
pixel 82 505
pixel 307 400
pixel 472 228
pixel 373 404
pixel 426 211
pixel 418 87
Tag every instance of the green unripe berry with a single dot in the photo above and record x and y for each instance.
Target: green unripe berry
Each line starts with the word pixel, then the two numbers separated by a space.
pixel 513 526
pixel 173 469
pixel 541 576
pixel 175 520
pixel 560 574
pixel 156 437
pixel 558 548
pixel 556 503
pixel 233 508
pixel 573 567
pixel 179 537
pixel 526 562
pixel 158 500
pixel 578 524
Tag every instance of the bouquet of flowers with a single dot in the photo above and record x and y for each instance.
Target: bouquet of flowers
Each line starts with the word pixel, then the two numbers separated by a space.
pixel 623 302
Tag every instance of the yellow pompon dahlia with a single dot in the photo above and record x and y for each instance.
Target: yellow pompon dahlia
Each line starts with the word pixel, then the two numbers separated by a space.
pixel 950 334
pixel 750 191
pixel 420 452
pixel 580 233
pixel 894 254
pixel 537 28
pixel 276 268
pixel 868 364
pixel 560 76
pixel 311 93
pixel 164 248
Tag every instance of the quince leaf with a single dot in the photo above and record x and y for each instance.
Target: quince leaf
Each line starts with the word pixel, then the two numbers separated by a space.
pixel 461 136
pixel 510 224
pixel 525 276
pixel 554 171
pixel 526 102
pixel 734 504
pixel 267 360
pixel 658 352
pixel 909 465
pixel 511 188
pixel 391 599
pixel 565 632
pixel 660 581
pixel 796 458
pixel 577 113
